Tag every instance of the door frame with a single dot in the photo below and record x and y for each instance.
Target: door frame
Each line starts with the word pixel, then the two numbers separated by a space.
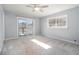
pixel 32 25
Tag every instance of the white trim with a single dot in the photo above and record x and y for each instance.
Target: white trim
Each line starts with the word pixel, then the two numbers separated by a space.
pixel 3 24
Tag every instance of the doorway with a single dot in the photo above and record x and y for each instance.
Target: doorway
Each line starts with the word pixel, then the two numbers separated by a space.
pixel 25 26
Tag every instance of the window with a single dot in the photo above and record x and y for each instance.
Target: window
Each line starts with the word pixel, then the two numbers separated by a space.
pixel 57 22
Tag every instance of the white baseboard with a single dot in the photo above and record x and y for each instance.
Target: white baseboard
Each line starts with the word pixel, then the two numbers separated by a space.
pixel 66 40
pixel 11 38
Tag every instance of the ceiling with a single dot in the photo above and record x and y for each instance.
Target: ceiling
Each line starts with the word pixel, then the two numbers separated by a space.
pixel 22 10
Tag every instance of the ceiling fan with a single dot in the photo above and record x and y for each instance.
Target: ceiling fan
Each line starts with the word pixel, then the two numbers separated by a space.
pixel 37 7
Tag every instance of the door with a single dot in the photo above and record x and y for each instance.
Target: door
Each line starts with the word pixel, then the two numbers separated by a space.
pixel 25 26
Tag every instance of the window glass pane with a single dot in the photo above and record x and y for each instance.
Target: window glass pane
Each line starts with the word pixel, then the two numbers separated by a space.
pixel 60 21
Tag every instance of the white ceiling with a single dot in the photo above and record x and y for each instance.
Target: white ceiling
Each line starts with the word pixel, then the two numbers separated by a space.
pixel 22 10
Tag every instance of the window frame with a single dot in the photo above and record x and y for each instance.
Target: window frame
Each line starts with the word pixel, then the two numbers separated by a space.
pixel 61 16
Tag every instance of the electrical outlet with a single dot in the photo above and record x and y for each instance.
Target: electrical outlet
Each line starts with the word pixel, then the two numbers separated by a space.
pixel 75 40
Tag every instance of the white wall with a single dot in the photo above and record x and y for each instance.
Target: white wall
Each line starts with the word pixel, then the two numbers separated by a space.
pixel 1 27
pixel 10 25
pixel 70 34
pixel 36 26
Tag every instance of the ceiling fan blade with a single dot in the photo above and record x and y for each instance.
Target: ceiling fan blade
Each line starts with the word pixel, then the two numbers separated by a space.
pixel 44 6
pixel 34 5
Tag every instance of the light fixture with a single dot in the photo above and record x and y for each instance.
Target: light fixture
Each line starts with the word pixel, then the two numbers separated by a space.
pixel 41 44
pixel 37 7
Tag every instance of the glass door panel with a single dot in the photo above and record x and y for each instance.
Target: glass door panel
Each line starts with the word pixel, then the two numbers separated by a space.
pixel 25 26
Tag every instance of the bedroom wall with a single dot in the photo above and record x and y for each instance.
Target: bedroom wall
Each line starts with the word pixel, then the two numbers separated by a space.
pixel 10 25
pixel 68 34
pixel 36 28
pixel 1 28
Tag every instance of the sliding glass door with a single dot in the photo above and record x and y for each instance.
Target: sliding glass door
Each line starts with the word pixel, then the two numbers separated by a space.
pixel 25 26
